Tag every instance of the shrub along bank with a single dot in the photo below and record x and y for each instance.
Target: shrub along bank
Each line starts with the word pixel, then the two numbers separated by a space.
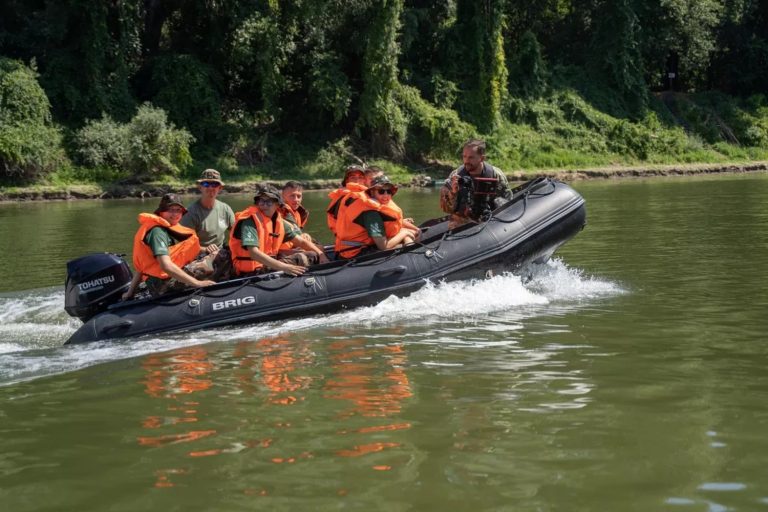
pixel 566 126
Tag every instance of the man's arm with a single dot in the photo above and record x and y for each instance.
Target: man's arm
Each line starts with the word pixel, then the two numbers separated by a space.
pixel 309 245
pixel 404 236
pixel 135 280
pixel 268 261
pixel 502 187
pixel 169 267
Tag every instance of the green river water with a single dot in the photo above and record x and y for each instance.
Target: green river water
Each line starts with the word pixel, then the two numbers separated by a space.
pixel 627 374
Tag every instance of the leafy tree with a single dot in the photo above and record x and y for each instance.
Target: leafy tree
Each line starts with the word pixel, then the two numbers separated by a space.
pixel 184 87
pixel 529 76
pixel 480 26
pixel 616 45
pixel 380 115
pixel 30 145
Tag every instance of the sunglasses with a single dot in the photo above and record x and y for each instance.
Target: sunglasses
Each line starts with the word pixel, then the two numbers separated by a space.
pixel 175 211
pixel 208 184
pixel 388 191
pixel 266 202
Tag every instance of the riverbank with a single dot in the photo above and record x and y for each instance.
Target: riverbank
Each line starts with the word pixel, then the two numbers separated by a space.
pixel 134 189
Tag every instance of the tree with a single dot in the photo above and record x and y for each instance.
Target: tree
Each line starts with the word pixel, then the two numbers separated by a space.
pixel 380 116
pixel 616 47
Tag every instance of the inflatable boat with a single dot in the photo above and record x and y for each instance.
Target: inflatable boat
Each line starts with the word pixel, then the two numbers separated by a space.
pixel 541 216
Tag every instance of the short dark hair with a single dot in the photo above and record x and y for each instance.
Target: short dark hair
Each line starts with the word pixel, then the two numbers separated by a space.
pixel 477 144
pixel 373 169
pixel 293 184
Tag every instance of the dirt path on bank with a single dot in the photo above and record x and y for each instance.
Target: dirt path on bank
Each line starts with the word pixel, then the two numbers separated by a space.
pixel 117 191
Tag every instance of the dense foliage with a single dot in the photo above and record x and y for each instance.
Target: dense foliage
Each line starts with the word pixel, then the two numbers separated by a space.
pixel 554 82
pixel 30 146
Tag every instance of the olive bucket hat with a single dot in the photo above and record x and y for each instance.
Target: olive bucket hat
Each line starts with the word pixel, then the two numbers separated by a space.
pixel 211 175
pixel 167 201
pixel 382 182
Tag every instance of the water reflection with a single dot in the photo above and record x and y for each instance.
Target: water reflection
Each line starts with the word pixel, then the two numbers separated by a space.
pixel 280 392
pixel 278 364
pixel 173 377
pixel 372 380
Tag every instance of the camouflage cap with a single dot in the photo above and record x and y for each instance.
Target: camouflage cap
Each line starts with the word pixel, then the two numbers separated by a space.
pixel 167 201
pixel 351 169
pixel 268 191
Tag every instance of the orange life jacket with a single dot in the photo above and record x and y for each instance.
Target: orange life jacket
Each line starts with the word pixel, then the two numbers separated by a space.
pixel 185 250
pixel 271 234
pixel 393 218
pixel 300 214
pixel 337 196
pixel 351 237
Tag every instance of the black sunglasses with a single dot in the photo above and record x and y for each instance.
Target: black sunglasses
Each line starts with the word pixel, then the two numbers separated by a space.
pixel 213 184
pixel 385 191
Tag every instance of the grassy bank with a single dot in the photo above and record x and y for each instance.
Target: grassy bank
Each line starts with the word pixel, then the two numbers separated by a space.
pixel 568 132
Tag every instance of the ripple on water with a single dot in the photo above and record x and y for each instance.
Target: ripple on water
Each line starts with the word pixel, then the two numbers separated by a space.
pixel 34 326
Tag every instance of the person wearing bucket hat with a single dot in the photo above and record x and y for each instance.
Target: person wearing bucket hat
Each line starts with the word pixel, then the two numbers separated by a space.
pixel 378 191
pixel 259 232
pixel 208 216
pixel 353 183
pixel 371 222
pixel 162 247
pixel 211 219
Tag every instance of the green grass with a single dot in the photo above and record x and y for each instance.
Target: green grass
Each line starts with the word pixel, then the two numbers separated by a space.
pixel 561 130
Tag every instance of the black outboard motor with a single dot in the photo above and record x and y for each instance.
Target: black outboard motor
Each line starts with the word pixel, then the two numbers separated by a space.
pixel 94 282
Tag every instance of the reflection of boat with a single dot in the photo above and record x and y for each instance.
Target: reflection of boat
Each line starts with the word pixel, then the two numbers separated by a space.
pixel 542 215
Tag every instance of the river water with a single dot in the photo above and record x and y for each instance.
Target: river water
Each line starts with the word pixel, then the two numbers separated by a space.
pixel 629 373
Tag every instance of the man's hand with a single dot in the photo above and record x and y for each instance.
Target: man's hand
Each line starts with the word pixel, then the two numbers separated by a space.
pixel 293 270
pixel 211 249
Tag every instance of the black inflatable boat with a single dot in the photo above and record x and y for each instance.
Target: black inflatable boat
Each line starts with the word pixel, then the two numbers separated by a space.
pixel 541 216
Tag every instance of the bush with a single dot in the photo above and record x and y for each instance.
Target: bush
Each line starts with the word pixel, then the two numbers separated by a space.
pixel 147 145
pixel 155 145
pixel 102 143
pixel 30 145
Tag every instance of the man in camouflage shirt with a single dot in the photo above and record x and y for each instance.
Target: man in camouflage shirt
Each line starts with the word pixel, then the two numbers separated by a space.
pixel 474 166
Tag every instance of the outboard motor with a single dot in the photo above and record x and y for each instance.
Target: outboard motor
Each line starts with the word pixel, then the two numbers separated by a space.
pixel 94 282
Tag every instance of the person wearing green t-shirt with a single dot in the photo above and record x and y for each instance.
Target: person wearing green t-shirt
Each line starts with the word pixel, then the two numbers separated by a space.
pixel 159 240
pixel 211 219
pixel 267 199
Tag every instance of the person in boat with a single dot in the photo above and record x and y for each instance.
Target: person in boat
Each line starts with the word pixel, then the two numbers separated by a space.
pixel 258 233
pixel 372 222
pixel 295 214
pixel 164 251
pixel 372 172
pixel 212 219
pixel 475 188
pixel 352 183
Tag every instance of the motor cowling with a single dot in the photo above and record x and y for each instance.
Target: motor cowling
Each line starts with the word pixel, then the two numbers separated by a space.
pixel 94 282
